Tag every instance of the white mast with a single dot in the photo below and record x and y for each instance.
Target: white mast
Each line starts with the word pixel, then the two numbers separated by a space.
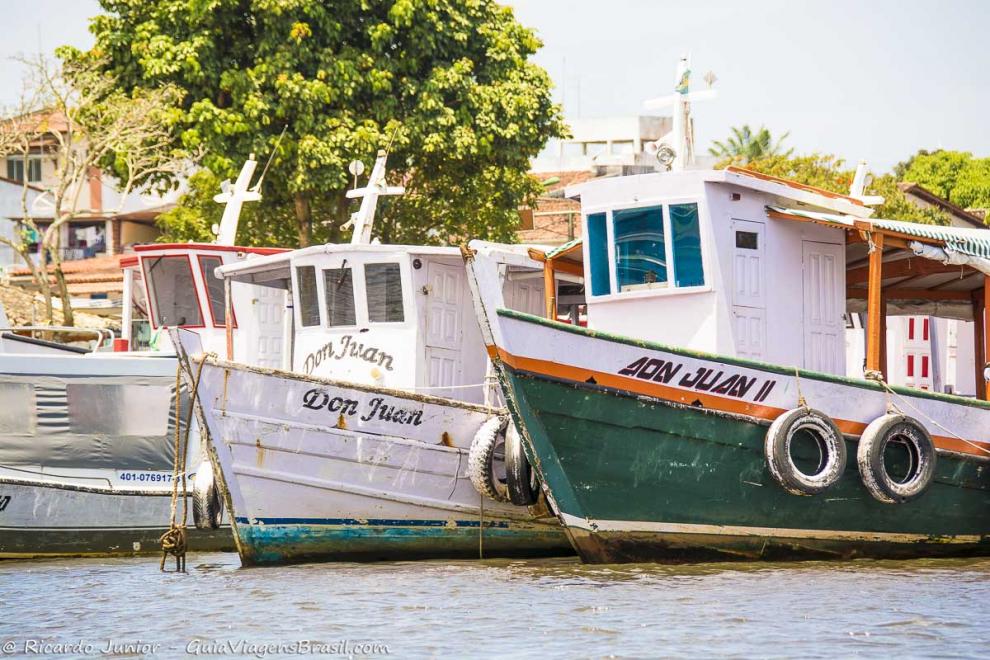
pixel 677 147
pixel 234 199
pixel 364 218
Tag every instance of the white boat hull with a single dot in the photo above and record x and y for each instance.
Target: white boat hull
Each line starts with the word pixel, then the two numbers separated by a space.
pixel 317 470
pixel 64 520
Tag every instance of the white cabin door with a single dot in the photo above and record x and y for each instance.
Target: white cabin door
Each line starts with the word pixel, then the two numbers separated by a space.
pixel 525 296
pixel 267 330
pixel 443 324
pixel 824 307
pixel 749 289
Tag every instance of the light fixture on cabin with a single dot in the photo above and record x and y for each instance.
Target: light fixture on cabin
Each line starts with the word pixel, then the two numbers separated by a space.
pixel 663 152
pixel 986 372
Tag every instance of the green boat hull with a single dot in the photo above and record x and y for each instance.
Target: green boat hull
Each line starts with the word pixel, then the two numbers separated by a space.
pixel 635 478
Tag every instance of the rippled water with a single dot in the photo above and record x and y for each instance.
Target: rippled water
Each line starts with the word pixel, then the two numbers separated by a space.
pixel 545 608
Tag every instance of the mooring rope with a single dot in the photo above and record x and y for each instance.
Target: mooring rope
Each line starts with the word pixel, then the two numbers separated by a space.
pixel 174 541
pixel 891 405
pixel 802 402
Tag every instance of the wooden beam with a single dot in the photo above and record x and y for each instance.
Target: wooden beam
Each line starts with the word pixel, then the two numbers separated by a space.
pixel 537 255
pixel 979 342
pixel 550 291
pixel 568 267
pixel 913 267
pixel 874 307
pixel 902 293
pixel 985 320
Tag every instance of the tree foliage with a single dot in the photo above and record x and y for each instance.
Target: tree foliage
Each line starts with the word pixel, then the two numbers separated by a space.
pixel 954 175
pixel 829 172
pixel 447 85
pixel 744 145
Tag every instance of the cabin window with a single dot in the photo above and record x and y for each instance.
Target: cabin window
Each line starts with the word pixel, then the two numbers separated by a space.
pixel 309 305
pixel 383 285
pixel 173 291
pixel 640 248
pixel 601 280
pixel 17 416
pixel 339 286
pixel 110 409
pixel 685 235
pixel 214 289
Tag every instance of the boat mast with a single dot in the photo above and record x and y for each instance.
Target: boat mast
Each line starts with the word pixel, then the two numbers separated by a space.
pixel 234 199
pixel 676 149
pixel 363 219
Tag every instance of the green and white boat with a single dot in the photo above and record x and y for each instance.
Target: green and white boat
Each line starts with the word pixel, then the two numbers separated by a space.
pixel 708 411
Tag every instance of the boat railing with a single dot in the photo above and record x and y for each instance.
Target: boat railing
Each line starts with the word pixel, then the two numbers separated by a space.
pixel 102 334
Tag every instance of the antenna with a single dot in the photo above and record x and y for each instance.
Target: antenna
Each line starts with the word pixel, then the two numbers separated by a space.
pixel 363 219
pixel 234 197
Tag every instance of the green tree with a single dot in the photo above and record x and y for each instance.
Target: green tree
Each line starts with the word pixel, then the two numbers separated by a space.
pixel 829 172
pixel 954 175
pixel 744 145
pixel 447 85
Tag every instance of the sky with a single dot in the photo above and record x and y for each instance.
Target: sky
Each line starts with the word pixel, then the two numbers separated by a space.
pixel 874 80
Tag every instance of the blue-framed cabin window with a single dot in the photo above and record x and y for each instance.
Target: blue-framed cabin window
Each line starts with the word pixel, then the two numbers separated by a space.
pixel 640 248
pixel 654 246
pixel 686 239
pixel 601 280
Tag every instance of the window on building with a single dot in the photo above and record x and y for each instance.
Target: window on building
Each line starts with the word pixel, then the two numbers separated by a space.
pixel 15 168
pixel 383 286
pixel 686 238
pixel 339 286
pixel 214 289
pixel 640 248
pixel 173 291
pixel 309 305
pixel 601 280
pixel 622 147
pixel 572 149
pixel 595 148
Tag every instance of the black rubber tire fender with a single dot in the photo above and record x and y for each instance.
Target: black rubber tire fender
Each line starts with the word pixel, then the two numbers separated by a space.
pixel 483 457
pixel 207 505
pixel 777 451
pixel 870 458
pixel 520 478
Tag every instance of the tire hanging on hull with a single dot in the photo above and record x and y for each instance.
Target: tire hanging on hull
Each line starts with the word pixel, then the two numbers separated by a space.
pixel 920 453
pixel 831 446
pixel 520 477
pixel 487 453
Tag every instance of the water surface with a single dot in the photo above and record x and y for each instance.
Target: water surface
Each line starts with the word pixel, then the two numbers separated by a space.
pixel 542 608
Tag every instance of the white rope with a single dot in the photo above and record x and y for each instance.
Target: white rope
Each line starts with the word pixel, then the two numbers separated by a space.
pixel 920 412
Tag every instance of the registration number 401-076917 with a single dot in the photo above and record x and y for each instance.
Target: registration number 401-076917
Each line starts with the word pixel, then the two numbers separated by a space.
pixel 148 477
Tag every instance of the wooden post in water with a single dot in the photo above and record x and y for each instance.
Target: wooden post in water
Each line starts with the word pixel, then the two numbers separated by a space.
pixel 874 307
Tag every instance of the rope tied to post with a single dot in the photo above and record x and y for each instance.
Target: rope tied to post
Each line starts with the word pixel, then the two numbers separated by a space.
pixel 175 542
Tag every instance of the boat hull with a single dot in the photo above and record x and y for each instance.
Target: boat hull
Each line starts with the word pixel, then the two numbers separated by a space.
pixel 45 520
pixel 662 470
pixel 316 471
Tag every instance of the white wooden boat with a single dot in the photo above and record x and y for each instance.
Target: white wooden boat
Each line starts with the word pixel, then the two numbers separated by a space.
pixel 370 449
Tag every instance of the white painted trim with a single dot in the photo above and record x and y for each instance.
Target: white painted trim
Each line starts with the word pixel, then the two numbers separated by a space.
pixel 760 532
